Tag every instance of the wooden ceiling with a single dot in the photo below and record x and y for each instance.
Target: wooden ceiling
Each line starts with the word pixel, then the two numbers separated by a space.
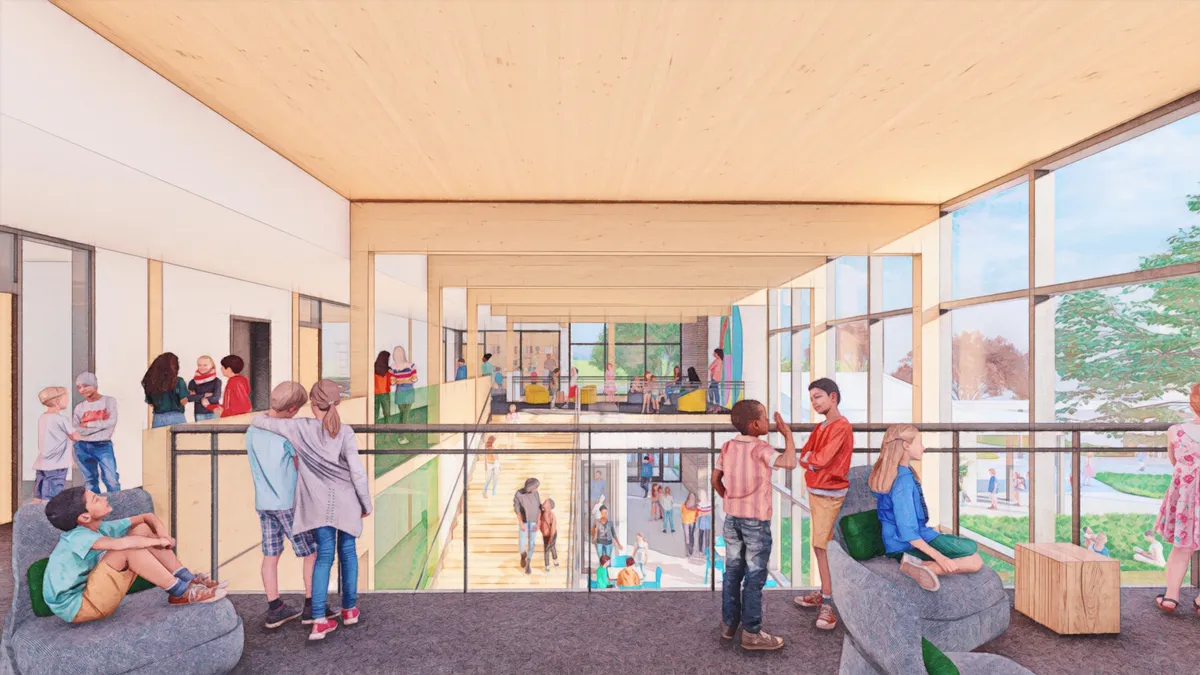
pixel 908 101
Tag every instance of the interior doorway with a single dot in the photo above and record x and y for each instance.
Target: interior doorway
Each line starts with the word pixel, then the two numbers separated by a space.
pixel 539 350
pixel 251 340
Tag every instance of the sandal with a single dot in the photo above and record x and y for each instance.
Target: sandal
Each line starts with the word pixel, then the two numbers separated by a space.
pixel 1161 601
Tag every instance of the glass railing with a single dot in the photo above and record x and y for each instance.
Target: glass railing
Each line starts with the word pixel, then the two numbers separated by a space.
pixel 638 497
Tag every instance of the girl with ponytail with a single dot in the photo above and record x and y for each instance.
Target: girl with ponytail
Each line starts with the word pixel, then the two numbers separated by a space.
pixel 904 518
pixel 331 495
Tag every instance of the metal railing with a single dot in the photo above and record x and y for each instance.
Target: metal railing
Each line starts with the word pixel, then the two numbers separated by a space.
pixel 1033 439
pixel 720 394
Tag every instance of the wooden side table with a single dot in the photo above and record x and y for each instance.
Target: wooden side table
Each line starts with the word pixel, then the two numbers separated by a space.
pixel 1068 589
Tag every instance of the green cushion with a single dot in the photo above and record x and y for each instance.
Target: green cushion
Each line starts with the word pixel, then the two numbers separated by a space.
pixel 37 572
pixel 936 663
pixel 863 535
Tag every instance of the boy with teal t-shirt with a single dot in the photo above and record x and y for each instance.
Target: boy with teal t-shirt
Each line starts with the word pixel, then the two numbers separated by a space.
pixel 96 561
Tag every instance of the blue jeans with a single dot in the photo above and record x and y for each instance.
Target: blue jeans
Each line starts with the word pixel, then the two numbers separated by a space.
pixel 747 549
pixel 201 416
pixel 167 419
pixel 528 534
pixel 668 519
pixel 329 538
pixel 96 461
pixel 603 549
pixel 492 478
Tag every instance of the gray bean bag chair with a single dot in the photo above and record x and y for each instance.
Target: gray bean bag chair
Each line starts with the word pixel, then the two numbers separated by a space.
pixel 144 636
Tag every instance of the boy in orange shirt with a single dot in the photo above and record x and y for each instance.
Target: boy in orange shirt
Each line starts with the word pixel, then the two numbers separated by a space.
pixel 826 456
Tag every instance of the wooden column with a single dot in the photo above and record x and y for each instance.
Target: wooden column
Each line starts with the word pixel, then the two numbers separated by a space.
pixel 362 314
pixel 296 336
pixel 471 350
pixel 435 370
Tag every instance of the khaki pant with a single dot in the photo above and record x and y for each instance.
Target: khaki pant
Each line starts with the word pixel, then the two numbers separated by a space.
pixel 824 514
pixel 105 589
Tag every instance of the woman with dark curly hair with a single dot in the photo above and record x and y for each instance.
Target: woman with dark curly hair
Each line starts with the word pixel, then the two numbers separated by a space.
pixel 166 392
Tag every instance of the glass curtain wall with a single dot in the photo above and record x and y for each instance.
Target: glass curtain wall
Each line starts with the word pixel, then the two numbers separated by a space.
pixel 654 348
pixel 1104 329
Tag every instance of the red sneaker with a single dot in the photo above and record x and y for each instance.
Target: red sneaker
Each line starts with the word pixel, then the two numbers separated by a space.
pixel 322 628
pixel 350 616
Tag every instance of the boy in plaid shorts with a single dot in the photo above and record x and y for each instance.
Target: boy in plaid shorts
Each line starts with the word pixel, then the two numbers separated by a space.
pixel 273 466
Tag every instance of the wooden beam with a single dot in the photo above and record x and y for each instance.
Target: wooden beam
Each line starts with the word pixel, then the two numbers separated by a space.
pixel 657 297
pixel 638 318
pixel 595 271
pixel 569 312
pixel 641 228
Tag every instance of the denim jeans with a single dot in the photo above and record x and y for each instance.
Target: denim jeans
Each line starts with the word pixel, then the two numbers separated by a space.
pixel 603 549
pixel 747 549
pixel 167 419
pixel 492 478
pixel 528 535
pixel 97 461
pixel 669 519
pixel 689 538
pixel 201 416
pixel 644 483
pixel 328 539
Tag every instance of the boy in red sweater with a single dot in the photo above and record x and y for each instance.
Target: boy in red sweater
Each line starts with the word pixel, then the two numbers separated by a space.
pixel 237 389
pixel 826 456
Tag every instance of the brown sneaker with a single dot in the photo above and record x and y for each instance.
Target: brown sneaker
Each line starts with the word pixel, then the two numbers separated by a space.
pixel 761 641
pixel 826 619
pixel 197 595
pixel 810 601
pixel 728 632
pixel 204 580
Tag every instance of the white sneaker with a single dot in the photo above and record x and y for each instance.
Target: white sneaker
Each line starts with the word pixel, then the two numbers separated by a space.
pixel 915 568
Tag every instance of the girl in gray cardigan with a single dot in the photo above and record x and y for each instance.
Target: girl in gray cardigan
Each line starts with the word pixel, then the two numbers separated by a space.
pixel 332 496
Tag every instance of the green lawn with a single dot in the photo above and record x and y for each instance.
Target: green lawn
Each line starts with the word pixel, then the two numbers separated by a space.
pixel 1005 570
pixel 1124 530
pixel 1153 485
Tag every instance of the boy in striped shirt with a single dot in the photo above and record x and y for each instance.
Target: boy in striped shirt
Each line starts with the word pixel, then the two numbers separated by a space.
pixel 743 479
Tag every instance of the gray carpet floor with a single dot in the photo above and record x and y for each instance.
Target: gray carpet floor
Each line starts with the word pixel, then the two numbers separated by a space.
pixel 648 633
pixel 665 632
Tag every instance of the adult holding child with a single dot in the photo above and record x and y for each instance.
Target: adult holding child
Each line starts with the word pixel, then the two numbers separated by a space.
pixel 1179 516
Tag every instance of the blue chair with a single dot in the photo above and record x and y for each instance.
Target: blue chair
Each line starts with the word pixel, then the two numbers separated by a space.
pixel 657 583
pixel 720 565
pixel 720 541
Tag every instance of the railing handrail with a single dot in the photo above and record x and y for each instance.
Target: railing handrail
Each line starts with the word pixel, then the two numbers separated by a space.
pixel 608 427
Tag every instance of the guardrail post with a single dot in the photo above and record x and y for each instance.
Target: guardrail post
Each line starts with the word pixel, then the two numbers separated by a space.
pixel 712 502
pixel 466 491
pixel 587 507
pixel 1076 497
pixel 955 486
pixel 213 447
pixel 174 486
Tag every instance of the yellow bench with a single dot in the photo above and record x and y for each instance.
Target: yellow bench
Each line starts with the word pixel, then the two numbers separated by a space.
pixel 587 395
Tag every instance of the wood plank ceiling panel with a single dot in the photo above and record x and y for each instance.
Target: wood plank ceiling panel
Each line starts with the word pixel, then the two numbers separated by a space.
pixel 909 101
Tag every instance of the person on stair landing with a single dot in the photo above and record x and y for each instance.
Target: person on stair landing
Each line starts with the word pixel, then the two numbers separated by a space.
pixel 826 456
pixel 548 524
pixel 332 497
pixel 527 504
pixel 904 518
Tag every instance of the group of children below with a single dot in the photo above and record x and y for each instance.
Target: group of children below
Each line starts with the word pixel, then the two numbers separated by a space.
pixel 742 477
pixel 310 488
pixel 168 395
pixel 90 429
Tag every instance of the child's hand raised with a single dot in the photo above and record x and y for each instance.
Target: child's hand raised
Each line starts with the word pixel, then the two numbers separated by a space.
pixel 784 429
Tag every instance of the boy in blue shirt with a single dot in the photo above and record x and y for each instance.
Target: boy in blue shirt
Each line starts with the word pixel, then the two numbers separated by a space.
pixel 96 561
pixel 273 467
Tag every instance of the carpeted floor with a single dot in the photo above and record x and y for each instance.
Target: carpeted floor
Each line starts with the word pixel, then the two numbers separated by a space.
pixel 637 633
pixel 667 632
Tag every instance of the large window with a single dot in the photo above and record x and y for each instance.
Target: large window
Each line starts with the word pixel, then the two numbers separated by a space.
pixel 654 348
pixel 989 244
pixel 589 348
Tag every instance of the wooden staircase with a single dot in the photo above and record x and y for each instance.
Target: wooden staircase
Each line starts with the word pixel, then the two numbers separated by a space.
pixel 492 538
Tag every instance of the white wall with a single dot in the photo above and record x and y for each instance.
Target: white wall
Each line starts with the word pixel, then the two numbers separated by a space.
pixel 121 334
pixel 197 307
pixel 100 150
pixel 754 350
pixel 391 331
pixel 420 350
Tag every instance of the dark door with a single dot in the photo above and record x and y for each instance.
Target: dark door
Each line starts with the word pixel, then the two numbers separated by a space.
pixel 251 340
